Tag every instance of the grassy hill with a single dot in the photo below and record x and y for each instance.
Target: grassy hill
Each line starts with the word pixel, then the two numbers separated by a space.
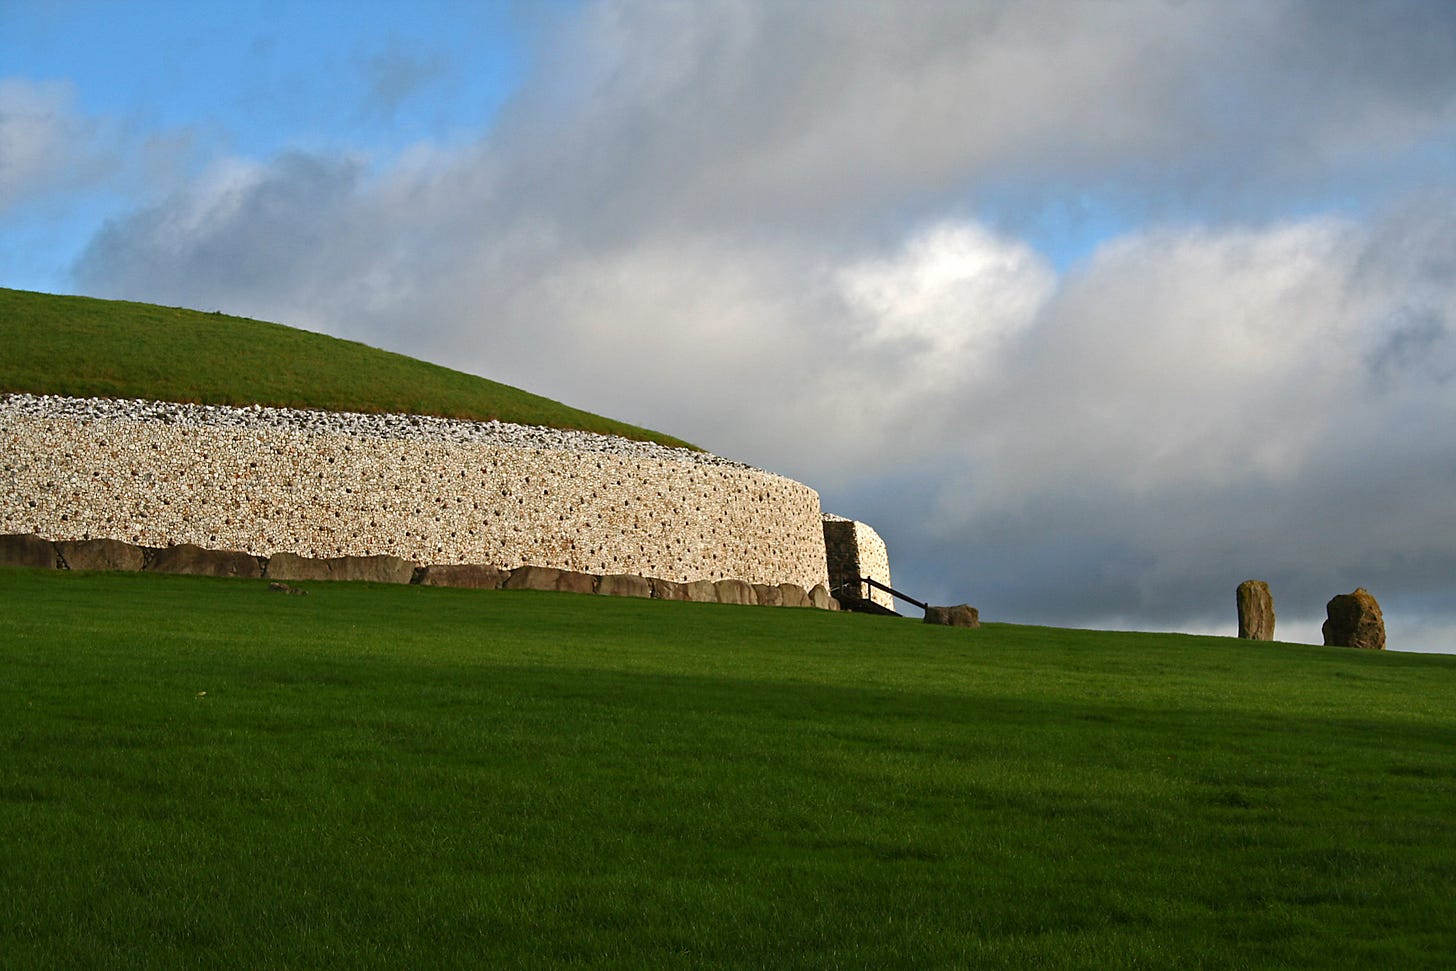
pixel 84 347
pixel 197 772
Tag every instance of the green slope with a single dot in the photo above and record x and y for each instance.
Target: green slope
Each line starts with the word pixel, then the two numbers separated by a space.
pixel 198 773
pixel 83 347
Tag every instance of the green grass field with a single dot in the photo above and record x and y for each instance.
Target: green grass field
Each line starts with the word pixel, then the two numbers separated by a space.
pixel 82 347
pixel 199 773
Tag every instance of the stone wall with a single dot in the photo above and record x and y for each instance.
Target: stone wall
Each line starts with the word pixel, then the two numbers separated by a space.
pixel 265 481
pixel 854 550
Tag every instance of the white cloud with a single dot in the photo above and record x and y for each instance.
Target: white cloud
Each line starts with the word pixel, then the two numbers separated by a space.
pixel 44 144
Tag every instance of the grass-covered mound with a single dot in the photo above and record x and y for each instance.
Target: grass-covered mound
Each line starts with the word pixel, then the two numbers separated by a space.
pixel 200 773
pixel 83 347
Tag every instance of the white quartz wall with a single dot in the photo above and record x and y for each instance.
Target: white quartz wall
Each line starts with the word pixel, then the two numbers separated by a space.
pixel 443 492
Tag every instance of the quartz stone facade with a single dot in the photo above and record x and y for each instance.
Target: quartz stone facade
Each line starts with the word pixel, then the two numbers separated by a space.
pixel 264 481
pixel 854 550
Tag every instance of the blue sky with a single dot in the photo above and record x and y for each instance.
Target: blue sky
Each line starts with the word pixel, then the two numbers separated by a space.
pixel 1092 309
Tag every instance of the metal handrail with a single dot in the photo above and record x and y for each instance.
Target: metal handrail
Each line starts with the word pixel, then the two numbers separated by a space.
pixel 893 592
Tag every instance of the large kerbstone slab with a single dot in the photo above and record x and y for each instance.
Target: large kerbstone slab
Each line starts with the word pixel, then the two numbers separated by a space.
pixel 667 590
pixel 474 576
pixel 794 595
pixel 372 569
pixel 533 578
pixel 819 597
pixel 960 615
pixel 192 559
pixel 549 578
pixel 768 595
pixel 1256 611
pixel 1355 620
pixel 701 591
pixel 624 585
pixel 102 554
pixel 27 549
pixel 732 591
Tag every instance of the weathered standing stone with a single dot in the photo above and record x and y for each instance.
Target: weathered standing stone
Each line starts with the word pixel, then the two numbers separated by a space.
pixel 475 576
pixel 374 569
pixel 102 554
pixel 624 585
pixel 961 615
pixel 1256 611
pixel 27 549
pixel 735 592
pixel 1354 620
pixel 193 559
pixel 794 595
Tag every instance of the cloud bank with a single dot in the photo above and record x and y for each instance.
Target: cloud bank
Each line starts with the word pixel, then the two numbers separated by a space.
pixel 812 237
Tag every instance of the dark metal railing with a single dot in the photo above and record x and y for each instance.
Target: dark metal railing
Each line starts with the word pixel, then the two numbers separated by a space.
pixel 893 592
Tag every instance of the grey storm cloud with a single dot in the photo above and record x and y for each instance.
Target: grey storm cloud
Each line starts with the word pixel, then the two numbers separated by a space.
pixel 755 226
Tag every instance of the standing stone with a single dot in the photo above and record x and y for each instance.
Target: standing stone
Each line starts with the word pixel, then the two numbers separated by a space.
pixel 1256 611
pixel 1355 621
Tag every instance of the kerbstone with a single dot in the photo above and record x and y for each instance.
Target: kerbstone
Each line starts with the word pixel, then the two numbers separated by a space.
pixel 192 559
pixel 373 569
pixel 102 554
pixel 27 550
pixel 474 576
pixel 624 585
pixel 731 591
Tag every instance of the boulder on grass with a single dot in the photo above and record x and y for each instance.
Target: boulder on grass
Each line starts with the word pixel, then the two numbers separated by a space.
pixel 961 615
pixel 373 569
pixel 475 576
pixel 27 549
pixel 1256 611
pixel 794 595
pixel 191 559
pixel 624 585
pixel 572 582
pixel 1354 620
pixel 735 592
pixel 102 554
pixel 819 597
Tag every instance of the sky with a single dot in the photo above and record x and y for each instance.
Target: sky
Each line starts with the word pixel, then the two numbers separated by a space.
pixel 1091 308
